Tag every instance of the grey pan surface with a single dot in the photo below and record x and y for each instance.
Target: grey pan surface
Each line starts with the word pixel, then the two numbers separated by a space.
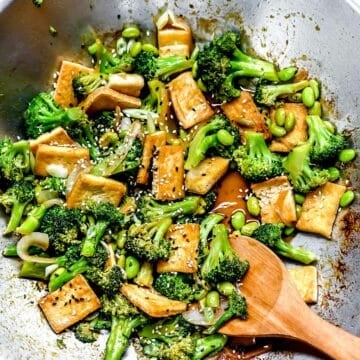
pixel 323 36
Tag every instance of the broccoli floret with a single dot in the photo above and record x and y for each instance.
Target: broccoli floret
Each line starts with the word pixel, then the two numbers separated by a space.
pixel 206 138
pixel 15 200
pixel 255 161
pixel 63 226
pixel 237 308
pixel 176 286
pixel 221 62
pixel 303 177
pixel 222 263
pixel 16 159
pixel 125 318
pixel 147 242
pixel 85 84
pixel 49 188
pixel 270 235
pixel 325 145
pixel 108 62
pixel 101 215
pixel 84 333
pixel 150 66
pixel 268 94
pixel 150 210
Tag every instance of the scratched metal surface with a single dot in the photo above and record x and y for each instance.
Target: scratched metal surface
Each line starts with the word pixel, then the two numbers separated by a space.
pixel 323 36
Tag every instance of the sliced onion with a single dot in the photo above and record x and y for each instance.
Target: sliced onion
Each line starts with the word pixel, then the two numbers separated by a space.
pixel 111 261
pixel 57 170
pixel 53 202
pixel 50 269
pixel 38 239
pixel 78 169
pixel 125 123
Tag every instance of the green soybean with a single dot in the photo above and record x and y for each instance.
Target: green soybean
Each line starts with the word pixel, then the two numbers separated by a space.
pixel 298 209
pixel 347 198
pixel 225 288
pixel 316 109
pixel 121 46
pixel 276 130
pixel 289 230
pixel 334 173
pixel 299 199
pixel 131 32
pixel 121 239
pixel 249 228
pixel 308 97
pixel 329 126
pixel 280 115
pixel 296 98
pixel 224 137
pixel 150 48
pixel 253 206
pixel 347 155
pixel 238 220
pixel 132 267
pixel 289 121
pixel 201 294
pixel 121 261
pixel 213 299
pixel 315 88
pixel 135 48
pixel 287 73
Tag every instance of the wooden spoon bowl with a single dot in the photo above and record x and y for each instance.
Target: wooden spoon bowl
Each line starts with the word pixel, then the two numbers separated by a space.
pixel 276 309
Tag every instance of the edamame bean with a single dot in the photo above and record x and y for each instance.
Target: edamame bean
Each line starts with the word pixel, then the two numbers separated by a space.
pixel 131 32
pixel 121 46
pixel 150 48
pixel 329 126
pixel 226 288
pixel 296 98
pixel 135 48
pixel 132 267
pixel 289 230
pixel 238 220
pixel 253 206
pixel 249 228
pixel 224 137
pixel 287 73
pixel 121 261
pixel 113 246
pixel 298 209
pixel 201 294
pixel 347 198
pixel 347 155
pixel 289 121
pixel 121 239
pixel 280 115
pixel 334 173
pixel 315 109
pixel 308 97
pixel 213 299
pixel 315 87
pixel 299 199
pixel 276 130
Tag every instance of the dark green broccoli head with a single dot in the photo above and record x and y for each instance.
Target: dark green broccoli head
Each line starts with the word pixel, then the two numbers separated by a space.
pixel 255 160
pixel 103 211
pixel 145 64
pixel 100 257
pixel 268 234
pixel 117 306
pixel 175 286
pixel 22 191
pixel 85 84
pixel 52 186
pixel 237 305
pixel 84 333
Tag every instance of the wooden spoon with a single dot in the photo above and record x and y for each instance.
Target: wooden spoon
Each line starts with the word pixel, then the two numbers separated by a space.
pixel 276 309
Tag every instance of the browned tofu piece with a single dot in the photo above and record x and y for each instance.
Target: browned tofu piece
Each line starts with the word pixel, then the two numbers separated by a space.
pixel 184 240
pixel 129 84
pixel 320 208
pixel 305 280
pixel 64 92
pixel 69 304
pixel 175 39
pixel 63 156
pixel 202 178
pixel 244 112
pixel 297 135
pixel 58 136
pixel 276 200
pixel 168 173
pixel 188 101
pixel 104 98
pixel 151 303
pixel 151 143
pixel 96 188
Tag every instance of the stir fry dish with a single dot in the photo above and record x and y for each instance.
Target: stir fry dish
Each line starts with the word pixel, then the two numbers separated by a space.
pixel 112 197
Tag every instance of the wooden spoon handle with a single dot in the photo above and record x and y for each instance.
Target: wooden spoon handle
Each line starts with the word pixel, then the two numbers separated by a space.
pixel 331 340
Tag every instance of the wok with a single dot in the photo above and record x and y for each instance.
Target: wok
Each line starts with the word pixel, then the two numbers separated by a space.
pixel 322 36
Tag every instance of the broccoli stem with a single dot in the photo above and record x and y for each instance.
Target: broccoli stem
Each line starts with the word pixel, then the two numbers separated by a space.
pixel 209 345
pixel 33 270
pixel 294 253
pixel 32 222
pixel 171 65
pixel 93 236
pixel 225 317
pixel 15 217
pixel 10 251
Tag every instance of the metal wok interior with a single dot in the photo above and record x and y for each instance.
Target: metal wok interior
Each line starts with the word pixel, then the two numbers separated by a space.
pixel 322 36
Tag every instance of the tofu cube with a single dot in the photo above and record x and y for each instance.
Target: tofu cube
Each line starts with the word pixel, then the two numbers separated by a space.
pixel 305 280
pixel 202 178
pixel 69 304
pixel 129 84
pixel 320 208
pixel 96 188
pixel 65 157
pixel 64 92
pixel 184 240
pixel 188 101
pixel 151 144
pixel 168 173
